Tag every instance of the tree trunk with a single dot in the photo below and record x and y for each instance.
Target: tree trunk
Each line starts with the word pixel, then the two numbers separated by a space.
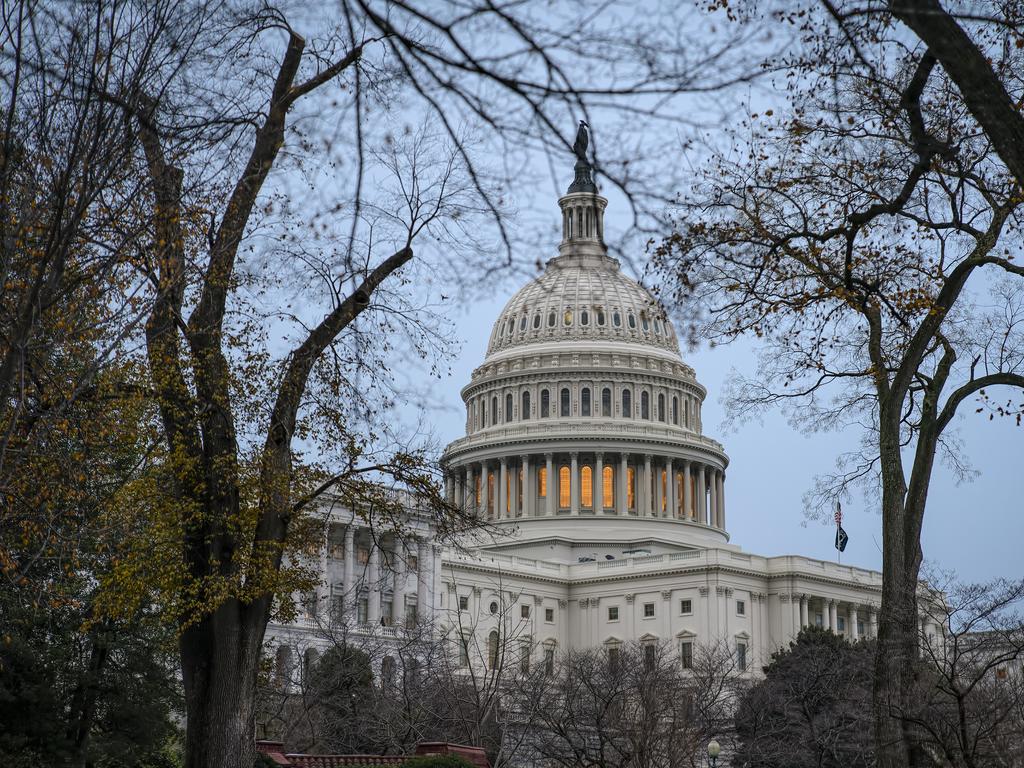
pixel 220 660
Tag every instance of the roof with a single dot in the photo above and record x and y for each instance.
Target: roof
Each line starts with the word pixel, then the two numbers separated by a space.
pixel 275 751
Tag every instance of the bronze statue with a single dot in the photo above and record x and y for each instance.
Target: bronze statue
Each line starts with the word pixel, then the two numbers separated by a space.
pixel 582 141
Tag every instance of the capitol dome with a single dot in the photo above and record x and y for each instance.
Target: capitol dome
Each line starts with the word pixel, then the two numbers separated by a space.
pixel 583 406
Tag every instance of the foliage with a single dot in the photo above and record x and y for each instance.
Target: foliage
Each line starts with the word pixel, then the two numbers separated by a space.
pixel 436 761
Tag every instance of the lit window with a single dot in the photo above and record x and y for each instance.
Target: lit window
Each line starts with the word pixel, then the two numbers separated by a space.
pixel 564 489
pixel 587 487
pixel 627 404
pixel 492 504
pixel 606 402
pixel 645 405
pixel 524 611
pixel 613 613
pixel 686 654
pixel 608 487
pixel 585 401
pixel 525 410
pixel 549 615
pixel 542 481
pixel 567 317
pixel 686 607
pixel 564 398
pixel 478 489
pixel 545 403
pixel 741 608
pixel 648 610
pixel 741 657
pixel 664 490
pixel 631 488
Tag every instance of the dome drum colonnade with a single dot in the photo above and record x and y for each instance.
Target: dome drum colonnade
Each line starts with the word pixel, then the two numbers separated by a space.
pixel 583 405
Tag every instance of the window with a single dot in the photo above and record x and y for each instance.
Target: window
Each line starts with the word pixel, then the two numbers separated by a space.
pixel 585 401
pixel 564 487
pixel 600 317
pixel 549 661
pixel 817 620
pixel 627 405
pixel 631 488
pixel 649 655
pixel 608 487
pixel 613 613
pixel 860 628
pixel 675 410
pixel 613 659
pixel 551 319
pixel 479 490
pixel 524 611
pixel 482 415
pixel 362 611
pixel 522 323
pixel 632 321
pixel 508 408
pixel 511 326
pixel 493 607
pixel 494 411
pixel 492 649
pixel 645 322
pixel 549 615
pixel 645 405
pixel 363 555
pixel 525 410
pixel 741 608
pixel 567 317
pixel 542 481
pixel 741 657
pixel 686 654
pixel 536 321
pixel 587 487
pixel 387 672
pixel 564 402
pixel 606 402
pixel 648 610
pixel 463 602
pixel 584 317
pixel 842 623
pixel 616 319
pixel 661 407
pixel 411 618
pixel 463 652
pixel 524 658
pixel 686 607
pixel 545 403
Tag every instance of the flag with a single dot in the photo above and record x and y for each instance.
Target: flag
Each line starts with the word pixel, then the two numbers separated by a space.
pixel 841 537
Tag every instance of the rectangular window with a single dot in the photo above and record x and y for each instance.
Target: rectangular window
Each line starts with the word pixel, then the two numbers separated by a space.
pixel 362 611
pixel 363 555
pixel 741 657
pixel 410 616
pixel 648 610
pixel 549 615
pixel 463 603
pixel 860 628
pixel 545 404
pixel 686 607
pixel 524 611
pixel 542 481
pixel 613 613
pixel 686 654
pixel 649 656
pixel 741 608
pixel 613 659
pixel 842 623
pixel 524 659
pixel 817 620
pixel 413 563
pixel 463 652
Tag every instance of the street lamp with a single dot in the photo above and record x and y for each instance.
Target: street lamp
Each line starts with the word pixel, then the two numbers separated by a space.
pixel 714 750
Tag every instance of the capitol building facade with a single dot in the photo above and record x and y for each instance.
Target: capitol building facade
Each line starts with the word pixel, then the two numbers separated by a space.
pixel 605 503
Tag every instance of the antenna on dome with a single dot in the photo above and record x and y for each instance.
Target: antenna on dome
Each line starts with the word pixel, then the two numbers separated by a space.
pixel 584 181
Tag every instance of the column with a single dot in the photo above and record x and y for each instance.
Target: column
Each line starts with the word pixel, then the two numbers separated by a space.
pixel 644 495
pixel 873 622
pixel 702 499
pixel 833 615
pixel 502 494
pixel 659 492
pixel 552 484
pixel 373 586
pixel 398 590
pixel 804 605
pixel 670 488
pixel 469 499
pixel 688 512
pixel 721 500
pixel 529 487
pixel 623 475
pixel 852 619
pixel 485 501
pixel 423 576
pixel 574 484
pixel 348 585
pixel 598 483
pixel 449 487
pixel 713 491
pixel 513 490
pixel 795 600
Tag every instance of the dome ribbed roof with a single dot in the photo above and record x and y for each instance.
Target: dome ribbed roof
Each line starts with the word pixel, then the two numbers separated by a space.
pixel 580 299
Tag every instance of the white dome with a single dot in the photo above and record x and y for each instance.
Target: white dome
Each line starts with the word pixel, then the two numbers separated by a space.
pixel 582 299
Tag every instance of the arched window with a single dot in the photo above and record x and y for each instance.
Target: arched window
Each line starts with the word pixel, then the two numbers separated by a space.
pixel 545 403
pixel 606 402
pixel 600 316
pixel 675 410
pixel 542 481
pixel 616 319
pixel 587 487
pixel 525 410
pixel 645 405
pixel 679 495
pixel 522 323
pixel 567 317
pixel 481 414
pixel 492 649
pixel 536 321
pixel 585 401
pixel 478 491
pixel 494 410
pixel 564 487
pixel 584 317
pixel 631 488
pixel 664 491
pixel 283 665
pixel 564 411
pixel 551 319
pixel 309 660
pixel 608 487
pixel 632 321
pixel 508 407
pixel 645 322
pixel 661 407
pixel 627 405
pixel 511 326
pixel 491 503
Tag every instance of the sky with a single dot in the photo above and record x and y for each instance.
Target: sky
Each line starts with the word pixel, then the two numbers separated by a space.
pixel 975 529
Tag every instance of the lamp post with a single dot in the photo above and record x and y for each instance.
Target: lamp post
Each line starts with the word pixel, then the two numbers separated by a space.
pixel 714 750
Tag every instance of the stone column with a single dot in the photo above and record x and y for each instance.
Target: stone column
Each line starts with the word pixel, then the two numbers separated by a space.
pixel 552 484
pixel 348 583
pixel 659 492
pixel 373 586
pixel 423 575
pixel 623 476
pixel 721 500
pixel 833 615
pixel 702 498
pixel 485 501
pixel 804 605
pixel 873 622
pixel 449 487
pixel 574 484
pixel 688 512
pixel 670 489
pixel 852 618
pixel 644 497
pixel 398 590
pixel 529 488
pixel 469 498
pixel 598 483
pixel 713 491
pixel 503 503
pixel 513 490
